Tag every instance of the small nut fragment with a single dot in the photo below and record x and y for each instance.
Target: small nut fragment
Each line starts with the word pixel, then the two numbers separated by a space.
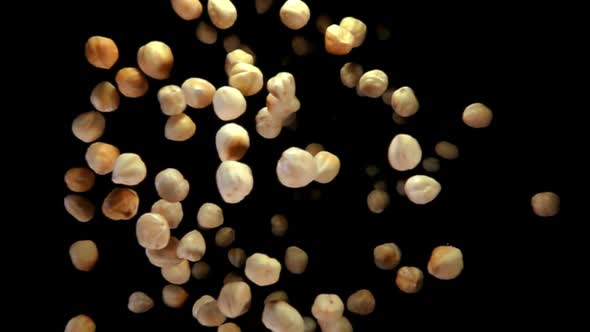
pixel 279 225
pixel 131 82
pixel 84 255
pixel 79 179
pixel 88 126
pixel 140 302
pixel 101 157
pixel 387 256
pixel 545 204
pixel 446 262
pixel 262 269
pixel 152 231
pixel 101 52
pixel 338 41
pixel 409 279
pixel 174 296
pixel 327 307
pixel 121 204
pixel 104 97
pixel 361 302
pixel 81 208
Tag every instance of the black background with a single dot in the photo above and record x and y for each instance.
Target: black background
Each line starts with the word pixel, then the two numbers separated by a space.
pixel 505 57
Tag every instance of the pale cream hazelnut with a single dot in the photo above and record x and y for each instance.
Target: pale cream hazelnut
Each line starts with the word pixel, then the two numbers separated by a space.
pixel 267 125
pixel 234 181
pixel 152 231
pixel 222 13
pixel 228 103
pixel 350 74
pixel 328 166
pixel 280 316
pixel 421 189
pixel 232 141
pixel 80 323
pixel 294 14
pixel 247 78
pixel 171 99
pixel 404 152
pixel 198 93
pixel 88 126
pixel 104 97
pixel 229 327
pixel 129 169
pixel 155 59
pixel 179 128
pixel 327 307
pixel 338 40
pixel 192 246
pixel 234 299
pixel 171 211
pixel 166 256
pixel 177 274
pixel 404 102
pixel 210 216
pixel 296 168
pixel 262 269
pixel 171 185
pixel 237 56
pixel 373 83
pixel 356 27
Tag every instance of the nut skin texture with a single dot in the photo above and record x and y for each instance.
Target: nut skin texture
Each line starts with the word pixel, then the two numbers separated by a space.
pixel 387 256
pixel 101 52
pixel 296 260
pixel 129 169
pixel 404 152
pixel 223 13
pixel 192 246
pixel 361 302
pixel 373 83
pixel 262 269
pixel 327 307
pixel 140 302
pixel 121 204
pixel 234 299
pixel 152 231
pixel 262 6
pixel 232 141
pixel 431 164
pixel 279 225
pixel 166 256
pixel 296 168
pixel 84 255
pixel 477 115
pixel 198 93
pixel 206 33
pixel 247 78
pixel 81 208
pixel 446 150
pixel 279 316
pixel 173 212
pixel 228 103
pixel 200 270
pixel 177 274
pixel 155 59
pixel 104 97
pixel 294 14
pixel 338 41
pixel 171 185
pixel 234 181
pixel 378 200
pixel 409 279
pixel 357 28
pixel 421 189
pixel 88 126
pixel 350 74
pixel 210 216
pixel 79 179
pixel 174 296
pixel 179 128
pixel 446 262
pixel 545 204
pixel 101 157
pixel 131 82
pixel 187 9
pixel 404 102
pixel 171 99
pixel 231 43
pixel 328 166
pixel 80 323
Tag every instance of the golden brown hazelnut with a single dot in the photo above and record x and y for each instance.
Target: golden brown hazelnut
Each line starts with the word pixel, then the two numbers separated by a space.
pixel 84 255
pixel 101 157
pixel 81 208
pixel 121 204
pixel 155 59
pixel 187 9
pixel 79 179
pixel 131 82
pixel 104 97
pixel 101 52
pixel 409 279
pixel 80 323
pixel 88 126
pixel 446 262
pixel 387 256
pixel 545 204
pixel 361 302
